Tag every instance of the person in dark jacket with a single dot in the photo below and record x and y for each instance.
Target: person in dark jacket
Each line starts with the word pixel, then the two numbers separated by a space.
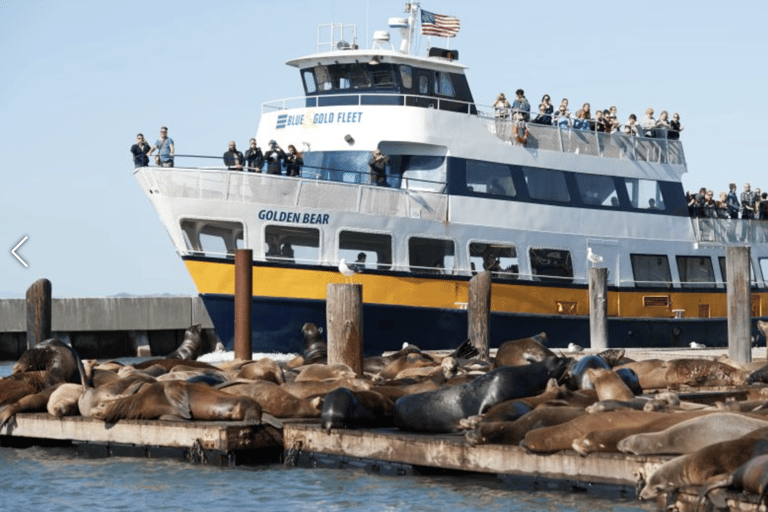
pixel 139 152
pixel 234 159
pixel 254 158
pixel 274 158
pixel 293 161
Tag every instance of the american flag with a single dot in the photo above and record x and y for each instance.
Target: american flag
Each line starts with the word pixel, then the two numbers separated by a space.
pixel 439 25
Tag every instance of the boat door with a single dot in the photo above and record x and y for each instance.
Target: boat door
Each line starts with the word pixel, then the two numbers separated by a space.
pixel 609 251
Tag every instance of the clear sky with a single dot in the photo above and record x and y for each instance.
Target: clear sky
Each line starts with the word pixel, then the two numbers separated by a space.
pixel 79 79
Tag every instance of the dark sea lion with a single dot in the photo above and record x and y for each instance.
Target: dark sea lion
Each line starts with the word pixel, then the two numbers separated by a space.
pixel 609 385
pixel 315 347
pixel 441 410
pixel 577 374
pixel 750 477
pixel 522 351
pixel 191 347
pixel 273 399
pixel 512 432
pixel 631 379
pixel 705 466
pixel 561 437
pixel 344 408
pixel 691 435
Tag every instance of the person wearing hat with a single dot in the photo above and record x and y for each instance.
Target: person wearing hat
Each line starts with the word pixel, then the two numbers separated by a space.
pixel 274 157
pixel 359 263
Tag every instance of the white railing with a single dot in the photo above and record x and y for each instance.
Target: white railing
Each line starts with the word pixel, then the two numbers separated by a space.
pixel 730 231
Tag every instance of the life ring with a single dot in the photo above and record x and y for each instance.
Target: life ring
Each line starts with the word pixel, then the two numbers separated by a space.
pixel 521 139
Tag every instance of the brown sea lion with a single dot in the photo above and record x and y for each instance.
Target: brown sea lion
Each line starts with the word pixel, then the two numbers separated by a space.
pixel 750 477
pixel 656 374
pixel 705 466
pixel 374 364
pixel 273 398
pixel 512 432
pixel 561 437
pixel 411 360
pixel 309 388
pixel 317 372
pixel 33 402
pixel 49 362
pixel 522 351
pixel 265 368
pixel 609 385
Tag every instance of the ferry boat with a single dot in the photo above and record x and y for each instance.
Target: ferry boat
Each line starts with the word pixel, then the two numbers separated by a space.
pixel 461 195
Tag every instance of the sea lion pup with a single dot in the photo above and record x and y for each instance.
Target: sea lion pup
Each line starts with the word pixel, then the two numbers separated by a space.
pixel 344 408
pixel 606 440
pixel 561 437
pixel 609 385
pixel 705 466
pixel 317 372
pixel 441 410
pixel 411 360
pixel 522 351
pixel 512 432
pixel 265 368
pixel 310 388
pixel 751 477
pixel 191 347
pixel 691 435
pixel 273 399
pixel 178 400
pixel 315 347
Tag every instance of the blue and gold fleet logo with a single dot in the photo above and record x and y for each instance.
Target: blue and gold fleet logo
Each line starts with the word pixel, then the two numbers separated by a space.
pixel 310 119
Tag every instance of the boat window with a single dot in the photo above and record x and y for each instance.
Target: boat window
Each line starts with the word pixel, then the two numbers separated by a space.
pixel 406 76
pixel 339 77
pixel 211 237
pixel 291 245
pixel 383 76
pixel 695 271
pixel 597 190
pixel 323 78
pixel 763 268
pixel 552 265
pixel 443 84
pixel 546 184
pixel 423 84
pixel 644 194
pixel 309 81
pixel 490 178
pixel 651 270
pixel 366 250
pixel 431 255
pixel 500 259
pixel 359 76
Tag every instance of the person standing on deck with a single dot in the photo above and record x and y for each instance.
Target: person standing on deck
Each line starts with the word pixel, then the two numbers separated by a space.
pixel 165 149
pixel 233 159
pixel 254 158
pixel 378 164
pixel 274 158
pixel 139 151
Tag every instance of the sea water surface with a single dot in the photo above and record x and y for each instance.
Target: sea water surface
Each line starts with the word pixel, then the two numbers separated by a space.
pixel 39 478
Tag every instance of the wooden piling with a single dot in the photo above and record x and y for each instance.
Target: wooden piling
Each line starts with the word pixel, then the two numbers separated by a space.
pixel 243 302
pixel 344 320
pixel 38 312
pixel 737 268
pixel 479 313
pixel 598 308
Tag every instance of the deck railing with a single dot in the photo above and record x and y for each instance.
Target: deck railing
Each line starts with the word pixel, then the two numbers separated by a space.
pixel 540 136
pixel 730 231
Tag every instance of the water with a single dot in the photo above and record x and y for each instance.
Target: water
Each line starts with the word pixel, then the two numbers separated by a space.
pixel 59 479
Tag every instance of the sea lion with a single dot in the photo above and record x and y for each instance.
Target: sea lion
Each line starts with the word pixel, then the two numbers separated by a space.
pixel 191 347
pixel 273 399
pixel 33 402
pixel 344 408
pixel 512 432
pixel 265 368
pixel 692 435
pixel 49 362
pixel 309 388
pixel 609 385
pixel 706 465
pixel 315 347
pixel 631 379
pixel 411 360
pixel 656 374
pixel 522 351
pixel 441 410
pixel 64 400
pixel 577 374
pixel 561 437
pixel 317 372
pixel 374 364
pixel 750 477
pixel 167 364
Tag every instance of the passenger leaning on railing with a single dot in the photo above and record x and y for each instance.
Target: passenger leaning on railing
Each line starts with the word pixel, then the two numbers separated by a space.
pixel 254 158
pixel 293 161
pixel 233 159
pixel 165 149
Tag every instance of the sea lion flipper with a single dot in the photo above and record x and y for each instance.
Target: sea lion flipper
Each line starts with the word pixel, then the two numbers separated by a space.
pixel 268 419
pixel 178 397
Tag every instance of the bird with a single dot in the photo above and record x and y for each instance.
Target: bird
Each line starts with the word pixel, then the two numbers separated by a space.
pixel 572 347
pixel 693 344
pixel 594 258
pixel 345 270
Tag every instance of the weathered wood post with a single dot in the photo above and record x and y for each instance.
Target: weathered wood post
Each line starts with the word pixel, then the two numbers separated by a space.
pixel 739 308
pixel 479 313
pixel 344 319
pixel 38 312
pixel 243 303
pixel 598 308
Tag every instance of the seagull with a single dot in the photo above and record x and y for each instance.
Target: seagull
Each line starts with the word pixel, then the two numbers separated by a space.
pixel 693 344
pixel 572 347
pixel 594 258
pixel 344 269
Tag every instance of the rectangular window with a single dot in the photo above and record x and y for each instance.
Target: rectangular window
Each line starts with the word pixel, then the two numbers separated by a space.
pixel 309 81
pixel 406 76
pixel 359 76
pixel 431 255
pixel 546 184
pixel 651 270
pixel 323 78
pixel 383 76
pixel 490 178
pixel 597 190
pixel 763 268
pixel 212 237
pixel 443 84
pixel 695 271
pixel 423 85
pixel 291 245
pixel 500 259
pixel 366 250
pixel 552 265
pixel 644 194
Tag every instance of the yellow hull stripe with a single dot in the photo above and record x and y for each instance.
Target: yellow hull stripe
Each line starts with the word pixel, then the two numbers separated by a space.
pixel 518 297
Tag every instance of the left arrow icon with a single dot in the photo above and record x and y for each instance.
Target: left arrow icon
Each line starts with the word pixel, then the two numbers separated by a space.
pixel 13 251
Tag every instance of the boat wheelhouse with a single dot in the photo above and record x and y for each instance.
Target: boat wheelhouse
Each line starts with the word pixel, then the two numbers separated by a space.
pixel 462 195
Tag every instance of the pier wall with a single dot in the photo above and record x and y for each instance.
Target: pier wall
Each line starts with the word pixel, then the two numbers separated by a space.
pixel 109 326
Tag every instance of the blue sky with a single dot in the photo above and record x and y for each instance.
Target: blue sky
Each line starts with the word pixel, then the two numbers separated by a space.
pixel 80 78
